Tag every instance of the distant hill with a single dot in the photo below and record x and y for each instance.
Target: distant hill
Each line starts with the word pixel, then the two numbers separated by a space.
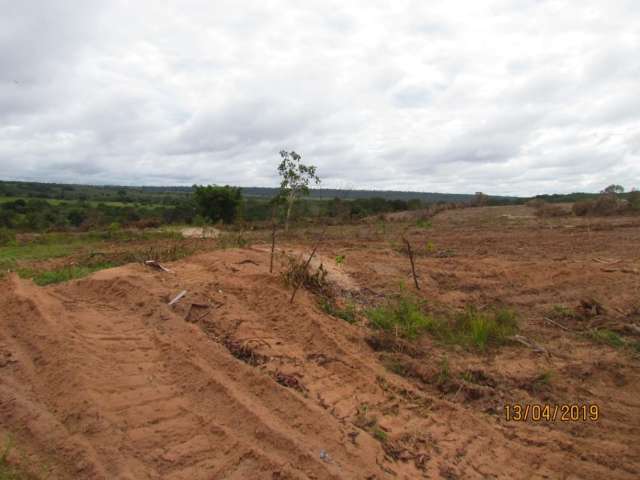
pixel 156 193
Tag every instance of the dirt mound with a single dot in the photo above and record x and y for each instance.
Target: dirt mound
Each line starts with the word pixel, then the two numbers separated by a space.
pixel 106 380
pixel 200 232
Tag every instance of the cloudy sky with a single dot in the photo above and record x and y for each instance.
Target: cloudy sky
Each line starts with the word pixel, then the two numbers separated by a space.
pixel 504 96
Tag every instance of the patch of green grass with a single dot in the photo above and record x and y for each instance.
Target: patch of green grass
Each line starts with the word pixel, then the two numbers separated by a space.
pixel 542 381
pixel 379 434
pixel 405 317
pixel 402 316
pixel 340 259
pixel 65 274
pixel 423 223
pixel 479 329
pixel 35 251
pixel 348 313
pixel 606 337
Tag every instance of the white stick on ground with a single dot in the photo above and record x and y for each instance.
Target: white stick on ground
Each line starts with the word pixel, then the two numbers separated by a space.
pixel 178 297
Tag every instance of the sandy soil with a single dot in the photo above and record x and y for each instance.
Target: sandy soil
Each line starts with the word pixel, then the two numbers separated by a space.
pixel 200 232
pixel 101 379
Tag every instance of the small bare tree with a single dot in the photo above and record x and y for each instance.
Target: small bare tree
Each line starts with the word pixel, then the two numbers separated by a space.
pixel 296 178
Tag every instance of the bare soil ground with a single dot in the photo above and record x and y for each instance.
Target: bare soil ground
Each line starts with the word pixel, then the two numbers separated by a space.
pixel 101 379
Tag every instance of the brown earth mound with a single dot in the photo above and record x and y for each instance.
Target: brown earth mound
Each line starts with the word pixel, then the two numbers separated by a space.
pixel 103 380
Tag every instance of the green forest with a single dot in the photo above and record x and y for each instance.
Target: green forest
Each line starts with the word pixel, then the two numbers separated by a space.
pixel 39 207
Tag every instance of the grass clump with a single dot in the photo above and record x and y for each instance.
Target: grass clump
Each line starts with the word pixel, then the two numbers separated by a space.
pixel 606 337
pixel 542 381
pixel 380 434
pixel 346 313
pixel 404 316
pixel 561 312
pixel 423 223
pixel 481 329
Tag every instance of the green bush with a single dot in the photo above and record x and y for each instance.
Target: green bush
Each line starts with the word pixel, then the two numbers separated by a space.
pixel 218 203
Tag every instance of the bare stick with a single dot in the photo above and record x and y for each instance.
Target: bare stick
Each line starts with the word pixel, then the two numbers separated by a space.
pixel 529 343
pixel 413 266
pixel 178 297
pixel 273 245
pixel 155 264
pixel 306 265
pixel 553 322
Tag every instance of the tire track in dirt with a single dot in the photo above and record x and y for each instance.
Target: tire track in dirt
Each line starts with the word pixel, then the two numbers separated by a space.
pixel 112 383
pixel 146 419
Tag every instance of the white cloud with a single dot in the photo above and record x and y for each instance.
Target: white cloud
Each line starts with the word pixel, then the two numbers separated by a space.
pixel 509 97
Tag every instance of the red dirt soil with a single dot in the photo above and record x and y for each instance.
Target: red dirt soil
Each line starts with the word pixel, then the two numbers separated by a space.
pixel 101 379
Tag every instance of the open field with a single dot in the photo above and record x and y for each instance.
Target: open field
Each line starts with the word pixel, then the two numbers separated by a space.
pixel 362 377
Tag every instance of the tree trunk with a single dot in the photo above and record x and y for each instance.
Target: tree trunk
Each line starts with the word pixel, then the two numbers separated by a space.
pixel 289 207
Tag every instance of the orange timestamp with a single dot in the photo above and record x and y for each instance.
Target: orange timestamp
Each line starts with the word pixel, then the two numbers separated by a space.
pixel 552 412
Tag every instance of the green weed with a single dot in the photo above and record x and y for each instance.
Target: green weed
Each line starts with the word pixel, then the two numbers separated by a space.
pixel 606 337
pixel 541 381
pixel 379 434
pixel 476 329
pixel 403 316
pixel 347 313
pixel 480 329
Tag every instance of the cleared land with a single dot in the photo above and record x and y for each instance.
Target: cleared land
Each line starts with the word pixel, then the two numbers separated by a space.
pixel 100 378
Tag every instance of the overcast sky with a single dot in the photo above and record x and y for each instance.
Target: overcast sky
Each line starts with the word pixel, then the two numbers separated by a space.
pixel 506 97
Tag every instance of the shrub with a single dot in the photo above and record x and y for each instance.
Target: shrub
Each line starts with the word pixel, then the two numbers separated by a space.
pixel 605 204
pixel 582 208
pixel 296 274
pixel 218 203
pixel 550 210
pixel 634 200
